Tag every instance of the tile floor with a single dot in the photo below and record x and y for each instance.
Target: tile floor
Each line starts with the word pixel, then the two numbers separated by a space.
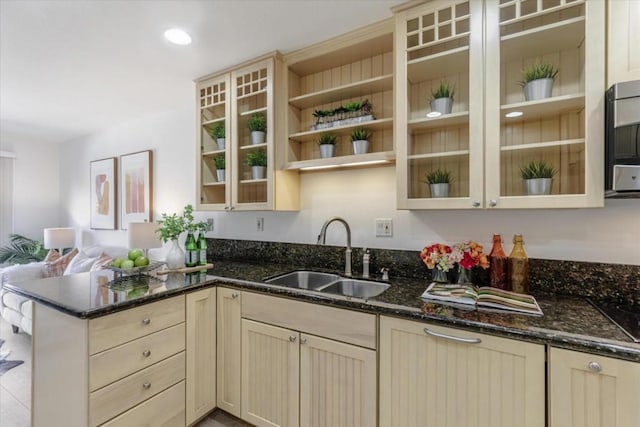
pixel 15 386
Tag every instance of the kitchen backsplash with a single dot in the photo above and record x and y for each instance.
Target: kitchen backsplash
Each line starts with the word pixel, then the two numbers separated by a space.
pixel 550 277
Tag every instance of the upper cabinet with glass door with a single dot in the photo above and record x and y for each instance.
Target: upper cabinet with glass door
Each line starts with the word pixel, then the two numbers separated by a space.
pixel 560 127
pixel 439 108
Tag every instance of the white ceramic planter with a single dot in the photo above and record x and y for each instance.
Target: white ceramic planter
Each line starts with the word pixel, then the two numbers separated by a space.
pixel 258 137
pixel 327 150
pixel 175 256
pixel 258 172
pixel 220 174
pixel 360 146
pixel 538 89
pixel 442 105
pixel 221 143
pixel 439 190
pixel 538 186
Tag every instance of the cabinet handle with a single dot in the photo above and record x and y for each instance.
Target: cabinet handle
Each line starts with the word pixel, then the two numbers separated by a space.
pixel 594 367
pixel 232 207
pixel 292 338
pixel 226 208
pixel 146 321
pixel 303 340
pixel 146 353
pixel 476 203
pixel 493 202
pixel 452 338
pixel 146 385
pixel 234 296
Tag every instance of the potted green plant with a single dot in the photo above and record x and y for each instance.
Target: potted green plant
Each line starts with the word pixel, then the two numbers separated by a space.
pixel 258 161
pixel 537 81
pixel 439 182
pixel 218 132
pixel 442 98
pixel 170 229
pixel 221 166
pixel 258 126
pixel 360 141
pixel 538 177
pixel 327 143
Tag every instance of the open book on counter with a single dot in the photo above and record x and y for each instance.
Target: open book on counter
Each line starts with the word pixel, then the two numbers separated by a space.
pixel 482 297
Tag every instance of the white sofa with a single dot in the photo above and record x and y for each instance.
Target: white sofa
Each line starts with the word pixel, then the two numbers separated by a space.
pixel 16 309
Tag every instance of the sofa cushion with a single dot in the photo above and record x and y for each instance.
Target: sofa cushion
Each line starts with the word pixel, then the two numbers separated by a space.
pixel 20 272
pixel 79 264
pixel 57 267
pixel 52 255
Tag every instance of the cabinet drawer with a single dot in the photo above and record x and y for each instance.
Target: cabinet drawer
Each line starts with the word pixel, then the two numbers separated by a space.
pixel 118 397
pixel 166 409
pixel 342 325
pixel 119 328
pixel 118 362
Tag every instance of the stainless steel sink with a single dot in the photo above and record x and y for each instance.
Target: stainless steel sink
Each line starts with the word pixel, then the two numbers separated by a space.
pixel 355 288
pixel 304 279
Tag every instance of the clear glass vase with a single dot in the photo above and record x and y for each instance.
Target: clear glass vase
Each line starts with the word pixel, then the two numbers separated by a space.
pixel 464 275
pixel 439 276
pixel 175 256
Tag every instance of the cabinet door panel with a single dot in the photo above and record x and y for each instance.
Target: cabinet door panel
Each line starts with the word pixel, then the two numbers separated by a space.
pixel 228 352
pixel 430 381
pixel 270 375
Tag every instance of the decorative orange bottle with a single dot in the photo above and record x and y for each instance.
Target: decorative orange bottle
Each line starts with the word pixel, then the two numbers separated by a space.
pixel 518 266
pixel 498 265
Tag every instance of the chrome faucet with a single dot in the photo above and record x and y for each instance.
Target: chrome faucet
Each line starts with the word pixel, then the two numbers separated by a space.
pixel 323 235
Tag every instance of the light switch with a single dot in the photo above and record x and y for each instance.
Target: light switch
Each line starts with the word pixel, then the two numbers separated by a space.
pixel 384 227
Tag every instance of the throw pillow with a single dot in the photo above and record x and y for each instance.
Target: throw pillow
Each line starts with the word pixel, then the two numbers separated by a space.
pixel 101 262
pixel 79 264
pixel 57 267
pixel 52 255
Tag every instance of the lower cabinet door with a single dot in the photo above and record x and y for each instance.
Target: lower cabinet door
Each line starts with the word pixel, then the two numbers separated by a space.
pixel 229 351
pixel 586 390
pixel 337 384
pixel 270 375
pixel 443 377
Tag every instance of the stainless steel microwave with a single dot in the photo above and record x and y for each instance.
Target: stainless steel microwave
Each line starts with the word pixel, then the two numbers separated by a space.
pixel 622 140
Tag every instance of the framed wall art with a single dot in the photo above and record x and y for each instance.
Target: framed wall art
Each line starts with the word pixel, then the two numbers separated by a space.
pixel 104 187
pixel 136 188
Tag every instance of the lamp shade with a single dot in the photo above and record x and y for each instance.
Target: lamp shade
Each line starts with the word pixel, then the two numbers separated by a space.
pixel 59 238
pixel 142 235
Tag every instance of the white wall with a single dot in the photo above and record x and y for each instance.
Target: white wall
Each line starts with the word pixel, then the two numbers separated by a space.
pixel 37 186
pixel 611 234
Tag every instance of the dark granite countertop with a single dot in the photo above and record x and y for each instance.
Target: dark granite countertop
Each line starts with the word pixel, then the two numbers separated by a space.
pixel 568 322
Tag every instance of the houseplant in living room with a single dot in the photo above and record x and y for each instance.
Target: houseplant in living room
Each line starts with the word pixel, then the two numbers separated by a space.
pixel 360 141
pixel 258 162
pixel 442 99
pixel 219 133
pixel 221 167
pixel 537 81
pixel 439 181
pixel 538 177
pixel 258 126
pixel 327 143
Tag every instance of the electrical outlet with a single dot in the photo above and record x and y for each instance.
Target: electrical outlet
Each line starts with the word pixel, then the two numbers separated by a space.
pixel 209 224
pixel 384 227
pixel 260 224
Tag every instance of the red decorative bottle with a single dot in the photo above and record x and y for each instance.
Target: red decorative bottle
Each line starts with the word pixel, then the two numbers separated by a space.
pixel 498 265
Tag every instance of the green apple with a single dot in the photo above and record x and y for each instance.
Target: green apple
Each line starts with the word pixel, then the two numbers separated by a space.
pixel 134 253
pixel 127 264
pixel 141 261
pixel 117 262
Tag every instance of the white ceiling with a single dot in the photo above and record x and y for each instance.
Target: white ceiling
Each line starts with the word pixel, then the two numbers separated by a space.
pixel 69 68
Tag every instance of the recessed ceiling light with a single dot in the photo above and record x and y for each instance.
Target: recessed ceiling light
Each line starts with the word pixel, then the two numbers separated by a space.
pixel 514 114
pixel 434 114
pixel 177 36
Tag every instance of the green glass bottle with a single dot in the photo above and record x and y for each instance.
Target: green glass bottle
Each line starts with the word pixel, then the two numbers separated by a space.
pixel 190 251
pixel 202 249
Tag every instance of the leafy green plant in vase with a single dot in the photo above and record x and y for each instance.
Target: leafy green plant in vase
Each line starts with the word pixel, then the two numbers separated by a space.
pixel 442 99
pixel 360 141
pixel 538 177
pixel 221 167
pixel 258 126
pixel 170 229
pixel 327 143
pixel 258 161
pixel 537 81
pixel 439 181
pixel 218 131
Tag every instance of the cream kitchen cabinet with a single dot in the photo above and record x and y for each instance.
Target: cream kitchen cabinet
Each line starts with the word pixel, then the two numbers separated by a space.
pixel 623 39
pixel 201 353
pixel 229 350
pixel 586 390
pixel 293 377
pixel 232 97
pixel 444 377
pixel 481 48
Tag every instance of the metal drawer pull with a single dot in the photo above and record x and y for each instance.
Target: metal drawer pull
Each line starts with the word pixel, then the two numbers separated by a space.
pixel 234 296
pixel 146 321
pixel 303 340
pixel 146 386
pixel 292 339
pixel 594 367
pixel 146 353
pixel 452 338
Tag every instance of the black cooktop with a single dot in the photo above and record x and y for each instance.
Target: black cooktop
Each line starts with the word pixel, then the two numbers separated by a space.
pixel 626 316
